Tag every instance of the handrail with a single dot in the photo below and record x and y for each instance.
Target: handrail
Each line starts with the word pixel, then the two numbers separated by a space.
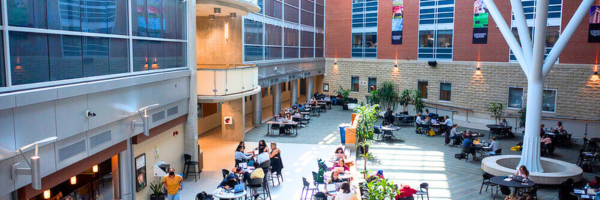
pixel 223 66
pixel 451 107
pixel 510 115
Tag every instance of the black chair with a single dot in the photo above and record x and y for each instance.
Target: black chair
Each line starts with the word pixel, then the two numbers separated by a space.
pixel 266 167
pixel 275 127
pixel 377 131
pixel 423 190
pixel 203 196
pixel 486 181
pixel 315 177
pixel 320 196
pixel 258 183
pixel 502 189
pixel 533 192
pixel 466 153
pixel 307 188
pixel 498 152
pixel 410 120
pixel 225 173
pixel 187 160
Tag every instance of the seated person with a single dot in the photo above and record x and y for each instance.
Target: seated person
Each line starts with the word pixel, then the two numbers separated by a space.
pixel 295 106
pixel 419 120
pixel 504 122
pixel 547 144
pixel 454 132
pixel 257 173
pixel 595 182
pixel 229 182
pixel 389 116
pixel 335 178
pixel 447 121
pixel 522 171
pixel 263 155
pixel 542 131
pixel 468 146
pixel 339 153
pixel 493 146
pixel 241 156
pixel 376 176
pixel 345 193
pixel 341 164
pixel 559 128
pixel 405 191
pixel 301 108
pixel 566 189
pixel 427 121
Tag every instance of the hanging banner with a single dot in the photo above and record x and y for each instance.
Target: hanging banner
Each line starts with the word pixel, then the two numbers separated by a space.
pixel 594 32
pixel 480 22
pixel 397 20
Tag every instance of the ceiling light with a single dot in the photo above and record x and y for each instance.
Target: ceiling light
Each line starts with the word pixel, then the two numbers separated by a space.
pixel 73 180
pixel 95 168
pixel 217 10
pixel 47 194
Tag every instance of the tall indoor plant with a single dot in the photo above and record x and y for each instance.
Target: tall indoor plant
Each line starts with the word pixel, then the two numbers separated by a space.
pixel 157 191
pixel 405 99
pixel 496 109
pixel 418 101
pixel 345 93
pixel 364 131
pixel 383 189
pixel 387 95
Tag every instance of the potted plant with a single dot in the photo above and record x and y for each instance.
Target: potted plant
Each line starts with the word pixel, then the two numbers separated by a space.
pixel 387 95
pixel 405 98
pixel 382 189
pixel 157 191
pixel 418 101
pixel 364 131
pixel 496 110
pixel 345 94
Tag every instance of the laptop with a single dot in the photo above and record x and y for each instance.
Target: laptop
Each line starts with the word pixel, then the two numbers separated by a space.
pixel 239 188
pixel 434 121
pixel 518 178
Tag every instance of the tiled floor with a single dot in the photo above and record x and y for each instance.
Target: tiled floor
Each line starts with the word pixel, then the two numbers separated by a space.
pixel 412 159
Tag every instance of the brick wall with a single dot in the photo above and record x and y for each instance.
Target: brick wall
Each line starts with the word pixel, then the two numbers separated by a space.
pixel 410 39
pixel 577 94
pixel 338 28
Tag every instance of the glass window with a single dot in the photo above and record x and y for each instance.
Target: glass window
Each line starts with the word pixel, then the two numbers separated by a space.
pixel 357 40
pixel 65 57
pixel 155 18
pixel 318 52
pixel 319 40
pixel 320 23
pixel 170 22
pixel 273 8
pixel 253 53
pixel 422 87
pixel 181 20
pixel 291 52
pixel 140 55
pixel 307 39
pixel 291 37
pixel 2 70
pixel 308 18
pixel 94 16
pixel 308 5
pixel 29 65
pixel 306 53
pixel 552 33
pixel 445 91
pixel 371 40
pixel 515 97
pixel 444 38
pixel 95 56
pixel 155 54
pixel 272 34
pixel 291 14
pixel 283 88
pixel 426 39
pixel 293 2
pixel 354 84
pixel 64 15
pixel 139 18
pixel 372 84
pixel 253 31
pixel 273 53
pixel 27 13
pixel 119 62
pixel 549 101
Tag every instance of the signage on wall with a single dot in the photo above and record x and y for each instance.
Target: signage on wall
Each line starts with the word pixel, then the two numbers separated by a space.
pixel 140 172
pixel 227 120
pixel 480 22
pixel 397 21
pixel 594 32
pixel 363 83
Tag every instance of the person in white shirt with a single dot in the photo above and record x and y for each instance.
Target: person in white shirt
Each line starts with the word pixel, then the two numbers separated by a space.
pixel 447 121
pixel 419 120
pixel 454 132
pixel 263 155
pixel 345 193
pixel 493 147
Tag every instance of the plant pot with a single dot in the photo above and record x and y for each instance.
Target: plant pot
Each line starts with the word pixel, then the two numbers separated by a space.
pixel 345 107
pixel 161 197
pixel 360 150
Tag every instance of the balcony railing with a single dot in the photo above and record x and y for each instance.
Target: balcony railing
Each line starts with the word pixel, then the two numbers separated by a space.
pixel 226 80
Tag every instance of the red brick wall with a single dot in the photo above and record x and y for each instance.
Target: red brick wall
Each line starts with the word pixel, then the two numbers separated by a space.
pixel 496 49
pixel 578 51
pixel 408 48
pixel 338 28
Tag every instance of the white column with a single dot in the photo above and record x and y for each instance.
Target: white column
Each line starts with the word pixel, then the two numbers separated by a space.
pixel 190 144
pixel 530 155
pixel 276 98
pixel 294 92
pixel 309 88
pixel 257 109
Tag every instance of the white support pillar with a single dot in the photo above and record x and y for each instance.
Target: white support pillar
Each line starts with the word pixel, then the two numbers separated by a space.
pixel 276 98
pixel 257 109
pixel 309 88
pixel 522 29
pixel 294 92
pixel 190 144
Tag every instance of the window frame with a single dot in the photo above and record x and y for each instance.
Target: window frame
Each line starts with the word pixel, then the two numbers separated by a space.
pixel 555 100
pixel 369 84
pixel 450 96
pixel 426 89
pixel 352 87
pixel 508 97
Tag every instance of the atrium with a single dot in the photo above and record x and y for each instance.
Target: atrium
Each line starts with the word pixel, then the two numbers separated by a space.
pixel 299 99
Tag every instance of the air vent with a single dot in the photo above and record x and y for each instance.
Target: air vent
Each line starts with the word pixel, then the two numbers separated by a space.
pixel 71 150
pixel 172 111
pixel 100 139
pixel 158 116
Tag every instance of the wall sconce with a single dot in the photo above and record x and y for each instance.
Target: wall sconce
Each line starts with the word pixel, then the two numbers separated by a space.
pixel 226 30
pixel 233 15
pixel 211 17
pixel 73 180
pixel 145 120
pixel 335 64
pixel 396 66
pixel 478 69
pixel 47 194
pixel 34 170
pixel 95 168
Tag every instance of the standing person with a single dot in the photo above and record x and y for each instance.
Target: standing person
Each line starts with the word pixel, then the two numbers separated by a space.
pixel 275 156
pixel 172 183
pixel 345 193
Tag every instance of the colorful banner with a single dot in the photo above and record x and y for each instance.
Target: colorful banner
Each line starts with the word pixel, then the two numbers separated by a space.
pixel 480 22
pixel 594 32
pixel 397 20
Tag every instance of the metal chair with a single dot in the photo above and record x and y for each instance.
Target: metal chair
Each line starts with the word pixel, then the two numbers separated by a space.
pixel 307 188
pixel 423 190
pixel 377 131
pixel 187 158
pixel 258 183
pixel 225 173
pixel 315 177
pixel 486 181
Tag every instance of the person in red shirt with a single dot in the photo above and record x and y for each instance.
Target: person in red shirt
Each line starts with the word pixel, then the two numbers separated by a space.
pixel 405 191
pixel 595 183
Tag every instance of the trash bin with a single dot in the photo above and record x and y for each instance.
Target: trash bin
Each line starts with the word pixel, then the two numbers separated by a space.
pixel 343 132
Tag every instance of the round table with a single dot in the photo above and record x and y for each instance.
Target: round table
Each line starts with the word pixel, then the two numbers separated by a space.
pixel 228 195
pixel 499 180
pixel 502 130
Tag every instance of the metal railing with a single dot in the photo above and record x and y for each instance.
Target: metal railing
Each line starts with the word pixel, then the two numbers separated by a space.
pixel 573 119
pixel 223 66
pixel 451 109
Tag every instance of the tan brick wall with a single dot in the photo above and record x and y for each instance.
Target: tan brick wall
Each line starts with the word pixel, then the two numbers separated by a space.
pixel 578 96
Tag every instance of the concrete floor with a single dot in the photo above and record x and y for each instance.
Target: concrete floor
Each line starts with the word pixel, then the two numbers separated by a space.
pixel 412 159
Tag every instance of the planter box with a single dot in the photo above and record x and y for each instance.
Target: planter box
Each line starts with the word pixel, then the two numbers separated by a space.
pixel 152 197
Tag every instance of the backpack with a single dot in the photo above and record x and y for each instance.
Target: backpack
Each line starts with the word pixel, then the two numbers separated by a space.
pixel 459 156
pixel 203 196
pixel 431 133
pixel 320 178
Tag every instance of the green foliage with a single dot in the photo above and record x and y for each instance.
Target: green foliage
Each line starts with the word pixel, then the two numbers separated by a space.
pixel 386 96
pixel 522 115
pixel 157 189
pixel 364 129
pixel 496 109
pixel 382 189
pixel 418 101
pixel 345 93
pixel 405 98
